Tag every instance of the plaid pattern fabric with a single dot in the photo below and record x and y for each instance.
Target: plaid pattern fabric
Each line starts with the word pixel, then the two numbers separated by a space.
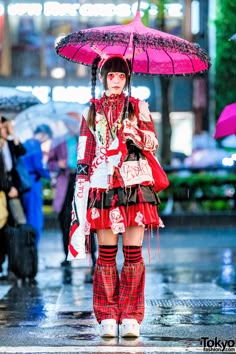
pixel 119 299
pixel 87 160
pixel 90 148
pixel 106 292
pixel 131 297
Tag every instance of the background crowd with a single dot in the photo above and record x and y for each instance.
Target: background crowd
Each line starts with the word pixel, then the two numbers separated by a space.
pixel 24 167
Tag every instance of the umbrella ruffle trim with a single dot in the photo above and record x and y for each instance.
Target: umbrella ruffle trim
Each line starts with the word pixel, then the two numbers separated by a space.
pixel 96 38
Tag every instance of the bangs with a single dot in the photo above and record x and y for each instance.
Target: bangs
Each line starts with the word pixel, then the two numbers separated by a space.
pixel 115 65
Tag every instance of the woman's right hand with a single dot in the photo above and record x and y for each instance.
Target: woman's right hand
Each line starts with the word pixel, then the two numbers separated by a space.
pixel 13 193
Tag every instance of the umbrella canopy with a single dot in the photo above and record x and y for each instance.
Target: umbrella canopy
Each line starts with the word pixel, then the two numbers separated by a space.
pixel 151 51
pixel 14 100
pixel 226 124
pixel 61 117
pixel 229 142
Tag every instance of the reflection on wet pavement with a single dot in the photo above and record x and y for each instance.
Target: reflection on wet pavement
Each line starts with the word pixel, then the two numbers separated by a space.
pixel 190 293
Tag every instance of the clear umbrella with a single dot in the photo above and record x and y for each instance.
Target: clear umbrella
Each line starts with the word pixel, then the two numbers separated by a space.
pixel 61 117
pixel 14 101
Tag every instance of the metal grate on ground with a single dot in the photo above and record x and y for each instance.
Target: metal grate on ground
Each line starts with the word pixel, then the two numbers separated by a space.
pixel 191 303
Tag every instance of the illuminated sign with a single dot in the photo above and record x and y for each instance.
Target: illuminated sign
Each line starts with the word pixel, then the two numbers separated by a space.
pixel 25 9
pixel 80 94
pixel 195 19
pixel 55 8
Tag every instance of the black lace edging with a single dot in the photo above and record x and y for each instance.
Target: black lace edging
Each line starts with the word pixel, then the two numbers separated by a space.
pixel 96 38
pixel 140 41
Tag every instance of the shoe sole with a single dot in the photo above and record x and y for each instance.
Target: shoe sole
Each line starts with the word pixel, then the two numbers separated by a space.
pixel 109 336
pixel 129 331
pixel 109 332
pixel 130 335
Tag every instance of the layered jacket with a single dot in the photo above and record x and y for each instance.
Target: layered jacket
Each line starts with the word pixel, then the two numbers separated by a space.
pixel 101 156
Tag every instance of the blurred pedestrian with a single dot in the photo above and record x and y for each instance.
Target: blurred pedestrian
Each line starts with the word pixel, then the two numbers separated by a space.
pixel 11 149
pixel 33 161
pixel 62 161
pixel 115 194
pixel 3 205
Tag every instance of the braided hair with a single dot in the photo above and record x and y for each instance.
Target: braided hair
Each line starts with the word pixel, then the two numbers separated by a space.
pixel 111 65
pixel 92 109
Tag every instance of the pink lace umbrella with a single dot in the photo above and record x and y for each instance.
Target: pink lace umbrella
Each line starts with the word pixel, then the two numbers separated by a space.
pixel 226 124
pixel 151 51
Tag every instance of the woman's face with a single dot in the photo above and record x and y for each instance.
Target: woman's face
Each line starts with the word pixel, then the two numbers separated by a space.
pixel 116 82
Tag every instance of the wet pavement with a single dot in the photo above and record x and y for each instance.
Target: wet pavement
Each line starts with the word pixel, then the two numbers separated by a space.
pixel 190 299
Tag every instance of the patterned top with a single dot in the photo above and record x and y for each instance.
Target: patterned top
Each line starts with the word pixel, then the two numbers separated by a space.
pixel 102 152
pixel 101 159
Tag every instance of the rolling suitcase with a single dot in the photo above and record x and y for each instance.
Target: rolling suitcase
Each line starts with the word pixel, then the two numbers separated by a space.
pixel 22 251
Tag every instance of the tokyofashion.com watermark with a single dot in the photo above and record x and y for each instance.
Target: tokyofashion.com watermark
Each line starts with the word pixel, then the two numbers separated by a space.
pixel 216 344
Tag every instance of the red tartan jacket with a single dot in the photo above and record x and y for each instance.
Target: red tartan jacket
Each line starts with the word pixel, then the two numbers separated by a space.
pixel 97 152
pixel 142 133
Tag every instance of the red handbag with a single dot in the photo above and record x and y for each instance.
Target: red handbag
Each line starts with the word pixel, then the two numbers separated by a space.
pixel 161 181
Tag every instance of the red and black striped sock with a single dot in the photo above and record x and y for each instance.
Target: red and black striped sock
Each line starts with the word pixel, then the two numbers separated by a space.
pixel 132 254
pixel 107 254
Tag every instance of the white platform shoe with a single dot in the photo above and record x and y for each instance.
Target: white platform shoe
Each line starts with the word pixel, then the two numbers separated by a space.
pixel 129 328
pixel 109 328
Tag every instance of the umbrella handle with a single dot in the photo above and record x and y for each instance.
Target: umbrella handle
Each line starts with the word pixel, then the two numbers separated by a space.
pixel 131 44
pixel 138 8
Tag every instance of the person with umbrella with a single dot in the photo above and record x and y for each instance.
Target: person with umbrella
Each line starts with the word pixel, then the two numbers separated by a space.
pixel 114 194
pixel 117 172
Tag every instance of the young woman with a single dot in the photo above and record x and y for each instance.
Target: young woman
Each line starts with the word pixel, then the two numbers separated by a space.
pixel 114 195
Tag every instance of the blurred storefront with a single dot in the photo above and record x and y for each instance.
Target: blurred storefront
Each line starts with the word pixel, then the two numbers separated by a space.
pixel 29 31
